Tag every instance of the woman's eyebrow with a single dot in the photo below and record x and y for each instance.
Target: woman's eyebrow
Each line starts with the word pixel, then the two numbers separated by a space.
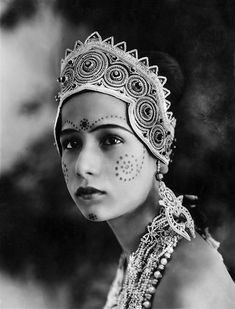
pixel 110 126
pixel 67 131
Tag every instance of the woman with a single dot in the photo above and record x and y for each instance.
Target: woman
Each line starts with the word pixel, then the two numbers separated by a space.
pixel 114 134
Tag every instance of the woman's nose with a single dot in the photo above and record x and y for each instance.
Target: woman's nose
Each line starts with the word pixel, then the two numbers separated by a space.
pixel 88 162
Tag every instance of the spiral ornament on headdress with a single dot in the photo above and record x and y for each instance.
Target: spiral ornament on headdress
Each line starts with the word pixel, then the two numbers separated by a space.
pixel 99 65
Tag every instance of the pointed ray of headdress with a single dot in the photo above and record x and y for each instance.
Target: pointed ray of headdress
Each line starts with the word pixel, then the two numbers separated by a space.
pixel 121 45
pixel 133 53
pixel 109 41
pixel 145 61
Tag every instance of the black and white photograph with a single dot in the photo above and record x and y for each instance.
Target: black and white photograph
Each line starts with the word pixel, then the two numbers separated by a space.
pixel 117 154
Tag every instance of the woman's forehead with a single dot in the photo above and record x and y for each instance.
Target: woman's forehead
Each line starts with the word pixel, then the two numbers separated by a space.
pixel 93 106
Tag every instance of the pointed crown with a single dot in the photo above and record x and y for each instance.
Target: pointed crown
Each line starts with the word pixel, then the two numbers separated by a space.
pixel 100 65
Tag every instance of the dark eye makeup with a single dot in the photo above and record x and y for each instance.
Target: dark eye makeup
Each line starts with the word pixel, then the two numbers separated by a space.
pixel 104 138
pixel 70 143
pixel 111 140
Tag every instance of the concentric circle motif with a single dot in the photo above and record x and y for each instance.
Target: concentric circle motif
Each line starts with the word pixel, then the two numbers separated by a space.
pixel 90 67
pixel 157 137
pixel 116 76
pixel 137 86
pixel 68 73
pixel 146 112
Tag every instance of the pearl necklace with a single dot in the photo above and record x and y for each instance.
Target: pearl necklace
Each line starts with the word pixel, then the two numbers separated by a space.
pixel 135 289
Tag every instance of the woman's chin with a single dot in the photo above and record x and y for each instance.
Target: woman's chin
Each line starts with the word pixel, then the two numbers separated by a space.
pixel 98 217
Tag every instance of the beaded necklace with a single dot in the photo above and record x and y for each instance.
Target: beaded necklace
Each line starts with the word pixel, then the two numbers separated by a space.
pixel 136 288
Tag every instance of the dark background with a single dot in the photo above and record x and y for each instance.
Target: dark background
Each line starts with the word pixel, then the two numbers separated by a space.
pixel 42 234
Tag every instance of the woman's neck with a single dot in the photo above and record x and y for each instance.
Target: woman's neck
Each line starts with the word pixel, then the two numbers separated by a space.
pixel 130 227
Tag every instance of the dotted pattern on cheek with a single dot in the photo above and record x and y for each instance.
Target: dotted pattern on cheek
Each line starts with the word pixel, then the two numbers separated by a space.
pixel 85 125
pixel 65 172
pixel 128 167
pixel 92 217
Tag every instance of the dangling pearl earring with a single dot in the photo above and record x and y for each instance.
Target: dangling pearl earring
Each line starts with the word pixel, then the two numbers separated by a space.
pixel 158 174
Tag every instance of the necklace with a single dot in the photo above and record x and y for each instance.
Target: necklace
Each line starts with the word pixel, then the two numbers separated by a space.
pixel 136 288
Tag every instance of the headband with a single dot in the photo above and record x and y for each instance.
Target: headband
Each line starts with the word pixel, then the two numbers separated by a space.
pixel 99 65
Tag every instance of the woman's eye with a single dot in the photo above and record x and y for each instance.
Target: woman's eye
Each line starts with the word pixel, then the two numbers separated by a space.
pixel 70 144
pixel 111 140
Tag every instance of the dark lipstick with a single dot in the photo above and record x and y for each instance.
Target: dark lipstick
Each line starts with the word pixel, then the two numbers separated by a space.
pixel 87 192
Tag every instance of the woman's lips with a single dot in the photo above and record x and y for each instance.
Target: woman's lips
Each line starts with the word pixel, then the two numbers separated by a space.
pixel 88 193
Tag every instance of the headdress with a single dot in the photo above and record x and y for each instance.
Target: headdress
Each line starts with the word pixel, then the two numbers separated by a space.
pixel 99 65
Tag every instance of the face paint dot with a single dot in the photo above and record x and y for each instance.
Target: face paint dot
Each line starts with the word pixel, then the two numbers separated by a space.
pixel 92 217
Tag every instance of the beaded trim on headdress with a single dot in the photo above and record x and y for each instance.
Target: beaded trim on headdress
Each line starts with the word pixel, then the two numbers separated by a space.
pixel 99 65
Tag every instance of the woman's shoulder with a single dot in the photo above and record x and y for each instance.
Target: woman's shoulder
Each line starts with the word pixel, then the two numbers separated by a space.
pixel 196 277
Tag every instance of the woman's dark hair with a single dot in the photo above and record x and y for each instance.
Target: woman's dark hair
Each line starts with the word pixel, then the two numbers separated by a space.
pixel 169 68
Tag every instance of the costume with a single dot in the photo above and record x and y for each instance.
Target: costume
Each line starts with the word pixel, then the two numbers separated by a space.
pixel 99 65
pixel 146 265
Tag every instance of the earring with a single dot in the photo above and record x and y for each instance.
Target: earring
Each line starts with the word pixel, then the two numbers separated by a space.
pixel 158 174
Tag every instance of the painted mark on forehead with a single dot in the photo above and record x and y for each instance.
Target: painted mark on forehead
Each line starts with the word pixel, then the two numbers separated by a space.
pixel 128 166
pixel 65 172
pixel 85 125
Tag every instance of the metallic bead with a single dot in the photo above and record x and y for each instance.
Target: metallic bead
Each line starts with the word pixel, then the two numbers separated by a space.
pixel 57 98
pixel 148 296
pixel 147 304
pixel 170 250
pixel 161 266
pixel 116 75
pixel 61 79
pixel 137 86
pixel 88 66
pixel 157 274
pixel 87 63
pixel 167 255
pixel 154 282
pixel 164 261
pixel 151 290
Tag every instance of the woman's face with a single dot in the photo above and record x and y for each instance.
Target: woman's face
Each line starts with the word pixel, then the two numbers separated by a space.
pixel 108 171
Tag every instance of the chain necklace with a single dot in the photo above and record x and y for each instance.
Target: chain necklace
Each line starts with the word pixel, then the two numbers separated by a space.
pixel 135 289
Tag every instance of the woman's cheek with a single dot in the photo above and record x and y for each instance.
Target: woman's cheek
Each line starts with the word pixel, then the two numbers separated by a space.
pixel 65 172
pixel 129 166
